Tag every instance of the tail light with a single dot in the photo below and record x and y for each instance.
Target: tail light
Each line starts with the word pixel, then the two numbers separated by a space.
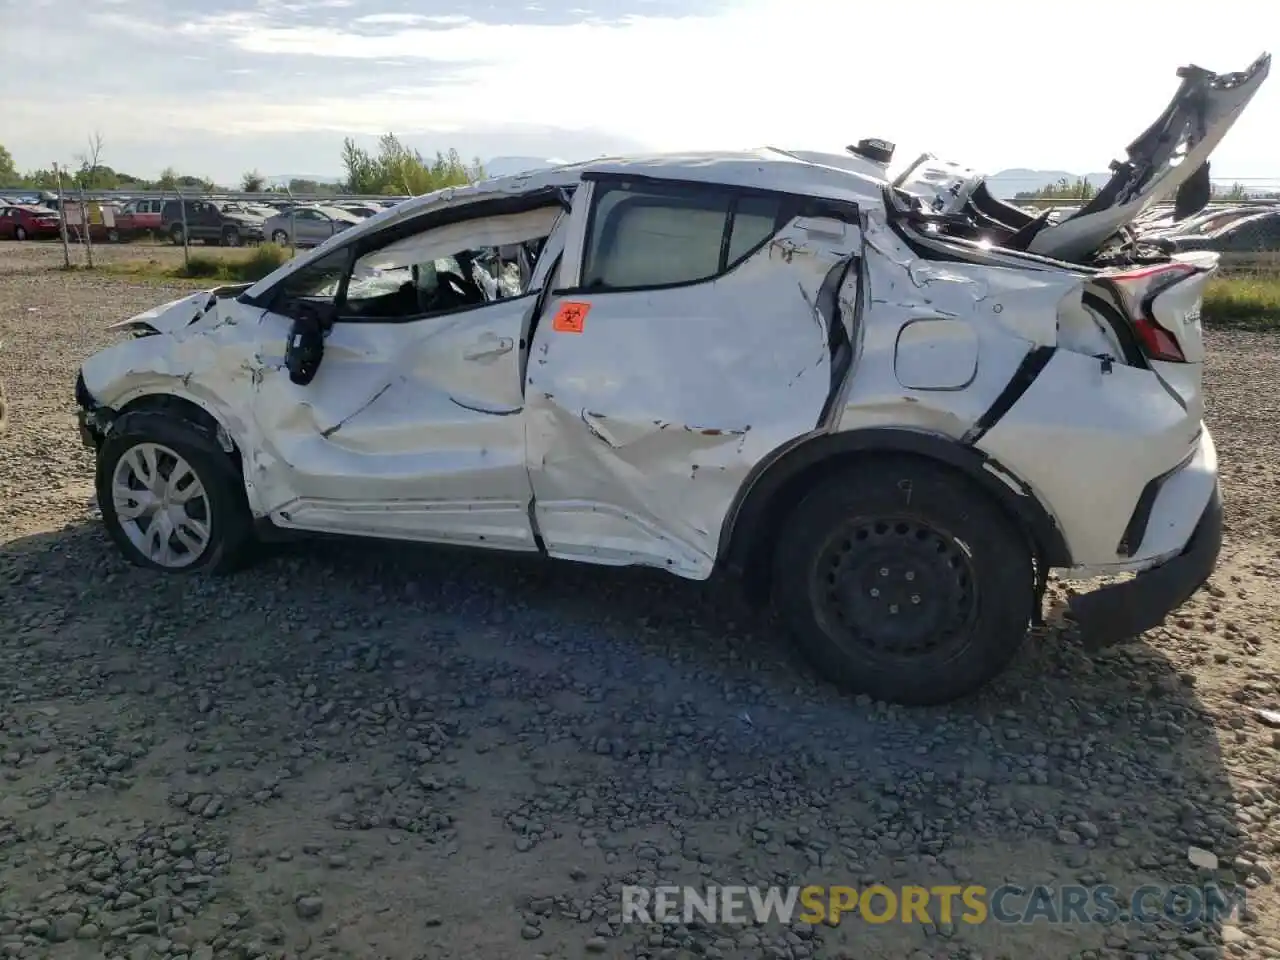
pixel 1138 290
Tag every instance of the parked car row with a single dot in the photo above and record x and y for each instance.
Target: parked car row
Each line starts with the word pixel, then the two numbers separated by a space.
pixel 25 222
pixel 305 226
pixel 225 222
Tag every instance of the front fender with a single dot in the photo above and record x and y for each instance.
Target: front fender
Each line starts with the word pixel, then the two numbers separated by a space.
pixel 217 372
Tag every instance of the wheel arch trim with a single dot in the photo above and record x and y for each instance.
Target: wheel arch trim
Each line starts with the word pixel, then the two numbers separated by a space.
pixel 756 511
pixel 153 395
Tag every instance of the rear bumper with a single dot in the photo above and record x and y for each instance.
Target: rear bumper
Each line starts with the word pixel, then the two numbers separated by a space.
pixel 1121 611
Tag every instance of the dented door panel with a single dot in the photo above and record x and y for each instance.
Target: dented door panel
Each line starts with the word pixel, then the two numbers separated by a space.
pixel 643 426
pixel 409 430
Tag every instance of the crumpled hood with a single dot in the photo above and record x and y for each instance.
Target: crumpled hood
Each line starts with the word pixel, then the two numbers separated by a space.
pixel 177 315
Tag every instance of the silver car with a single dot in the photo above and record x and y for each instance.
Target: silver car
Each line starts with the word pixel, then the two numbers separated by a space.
pixel 308 226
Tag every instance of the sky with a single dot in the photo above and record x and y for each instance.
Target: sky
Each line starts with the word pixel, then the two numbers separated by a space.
pixel 218 87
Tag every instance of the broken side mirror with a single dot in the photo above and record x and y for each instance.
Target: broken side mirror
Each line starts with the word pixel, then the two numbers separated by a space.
pixel 305 350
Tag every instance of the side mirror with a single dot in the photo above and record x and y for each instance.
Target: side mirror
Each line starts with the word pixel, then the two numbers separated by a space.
pixel 305 350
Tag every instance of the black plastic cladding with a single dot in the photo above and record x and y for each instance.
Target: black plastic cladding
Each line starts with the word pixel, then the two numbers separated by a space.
pixel 751 510
pixel 1032 364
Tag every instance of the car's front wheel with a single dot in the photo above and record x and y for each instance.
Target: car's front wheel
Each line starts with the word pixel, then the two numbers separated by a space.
pixel 902 580
pixel 176 234
pixel 231 237
pixel 280 237
pixel 20 233
pixel 171 498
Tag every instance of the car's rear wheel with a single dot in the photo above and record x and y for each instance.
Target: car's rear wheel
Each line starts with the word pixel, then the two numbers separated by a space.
pixel 280 237
pixel 113 236
pixel 902 580
pixel 171 498
pixel 20 233
pixel 176 234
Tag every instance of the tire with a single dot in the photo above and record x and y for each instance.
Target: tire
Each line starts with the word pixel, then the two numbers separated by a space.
pixel 175 234
pixel 20 233
pixel 231 237
pixel 222 510
pixel 904 538
pixel 280 237
pixel 113 236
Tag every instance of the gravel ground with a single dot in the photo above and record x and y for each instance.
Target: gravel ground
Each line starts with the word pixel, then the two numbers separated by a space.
pixel 370 751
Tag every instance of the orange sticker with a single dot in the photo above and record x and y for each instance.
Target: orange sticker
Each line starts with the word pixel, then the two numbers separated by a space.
pixel 571 317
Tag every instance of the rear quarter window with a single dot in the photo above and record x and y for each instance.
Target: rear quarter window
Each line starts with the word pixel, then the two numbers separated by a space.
pixel 671 234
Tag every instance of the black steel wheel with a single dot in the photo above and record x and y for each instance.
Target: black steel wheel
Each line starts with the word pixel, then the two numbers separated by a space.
pixel 895 586
pixel 902 580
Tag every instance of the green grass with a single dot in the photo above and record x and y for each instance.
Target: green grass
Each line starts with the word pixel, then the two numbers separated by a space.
pixel 1249 300
pixel 234 268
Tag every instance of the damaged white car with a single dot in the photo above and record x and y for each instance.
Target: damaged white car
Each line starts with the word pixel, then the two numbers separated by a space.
pixel 892 406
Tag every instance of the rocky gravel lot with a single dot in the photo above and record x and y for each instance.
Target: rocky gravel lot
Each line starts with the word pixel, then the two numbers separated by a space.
pixel 382 752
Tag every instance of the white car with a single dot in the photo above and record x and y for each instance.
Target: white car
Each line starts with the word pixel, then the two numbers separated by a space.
pixel 892 407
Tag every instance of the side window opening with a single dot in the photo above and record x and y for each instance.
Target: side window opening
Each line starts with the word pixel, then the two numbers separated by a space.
pixel 662 235
pixel 319 281
pixel 754 220
pixel 447 268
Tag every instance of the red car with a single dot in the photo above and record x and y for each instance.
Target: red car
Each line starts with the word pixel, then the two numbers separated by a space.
pixel 139 215
pixel 20 222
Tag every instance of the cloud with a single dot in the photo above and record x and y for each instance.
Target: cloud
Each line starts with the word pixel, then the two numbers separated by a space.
pixel 241 77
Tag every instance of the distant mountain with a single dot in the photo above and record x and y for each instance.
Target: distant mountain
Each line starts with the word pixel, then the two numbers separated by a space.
pixel 507 166
pixel 1008 183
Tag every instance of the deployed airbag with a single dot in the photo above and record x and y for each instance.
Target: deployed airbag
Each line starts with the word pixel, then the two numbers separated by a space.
pixel 445 241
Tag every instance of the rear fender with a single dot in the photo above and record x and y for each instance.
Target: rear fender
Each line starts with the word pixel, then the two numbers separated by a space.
pixel 780 481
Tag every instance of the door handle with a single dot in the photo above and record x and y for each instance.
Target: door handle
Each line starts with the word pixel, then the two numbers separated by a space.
pixel 489 346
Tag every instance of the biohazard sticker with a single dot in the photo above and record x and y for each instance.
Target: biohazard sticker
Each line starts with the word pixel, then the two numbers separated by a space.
pixel 571 317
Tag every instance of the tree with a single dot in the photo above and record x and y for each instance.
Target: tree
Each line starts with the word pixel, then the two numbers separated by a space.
pixel 91 174
pixel 397 168
pixel 252 182
pixel 363 173
pixel 1064 189
pixel 312 186
pixel 39 179
pixel 1237 192
pixel 8 172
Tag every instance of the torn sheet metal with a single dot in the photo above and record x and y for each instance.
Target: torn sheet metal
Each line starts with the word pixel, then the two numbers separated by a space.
pixel 207 352
pixel 1004 313
pixel 643 426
